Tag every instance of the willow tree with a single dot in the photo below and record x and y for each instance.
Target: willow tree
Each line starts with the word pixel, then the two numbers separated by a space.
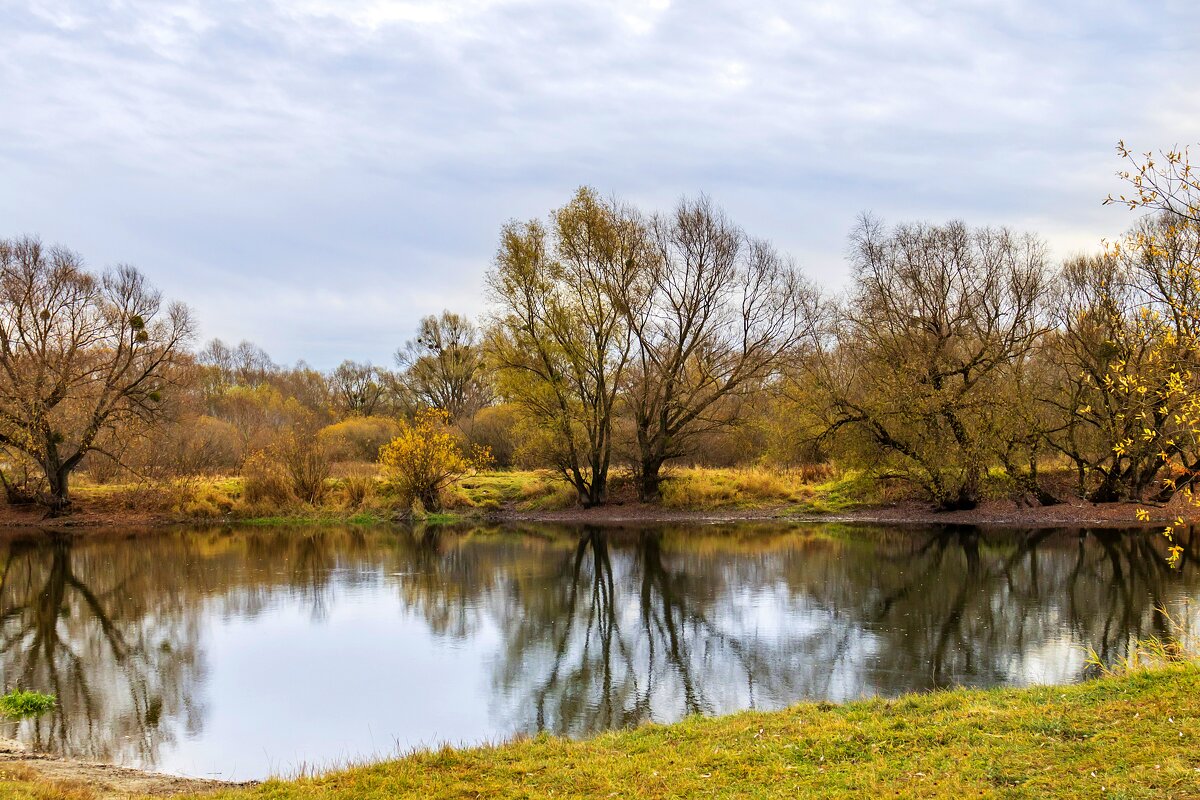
pixel 86 361
pixel 443 366
pixel 713 319
pixel 560 340
pixel 936 318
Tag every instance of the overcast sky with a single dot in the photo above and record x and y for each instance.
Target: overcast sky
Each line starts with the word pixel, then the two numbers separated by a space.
pixel 315 175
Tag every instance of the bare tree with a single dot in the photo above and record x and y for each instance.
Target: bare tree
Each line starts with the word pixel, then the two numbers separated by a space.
pixel 357 388
pixel 936 315
pixel 716 315
pixel 560 339
pixel 443 366
pixel 85 361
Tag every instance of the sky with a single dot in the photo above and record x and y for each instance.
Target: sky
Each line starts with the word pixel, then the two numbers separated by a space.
pixel 316 175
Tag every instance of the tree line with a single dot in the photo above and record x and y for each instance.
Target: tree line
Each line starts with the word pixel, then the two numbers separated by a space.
pixel 619 339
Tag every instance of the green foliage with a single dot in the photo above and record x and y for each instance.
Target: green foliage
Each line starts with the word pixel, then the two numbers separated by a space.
pixel 19 704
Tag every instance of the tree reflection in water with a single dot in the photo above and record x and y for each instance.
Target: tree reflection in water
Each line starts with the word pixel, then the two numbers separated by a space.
pixel 577 630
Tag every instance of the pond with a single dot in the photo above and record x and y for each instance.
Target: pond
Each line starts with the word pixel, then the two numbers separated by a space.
pixel 238 653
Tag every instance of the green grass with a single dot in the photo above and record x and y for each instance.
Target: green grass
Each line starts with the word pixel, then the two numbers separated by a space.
pixel 1133 736
pixel 317 517
pixel 525 490
pixel 1128 736
pixel 810 491
pixel 19 704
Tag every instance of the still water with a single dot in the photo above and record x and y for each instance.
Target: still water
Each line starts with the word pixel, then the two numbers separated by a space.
pixel 243 653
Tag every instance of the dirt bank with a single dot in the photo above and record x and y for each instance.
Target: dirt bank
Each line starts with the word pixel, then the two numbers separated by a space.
pixel 91 780
pixel 87 516
pixel 992 513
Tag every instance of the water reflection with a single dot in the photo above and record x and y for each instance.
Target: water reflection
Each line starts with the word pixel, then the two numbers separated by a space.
pixel 191 651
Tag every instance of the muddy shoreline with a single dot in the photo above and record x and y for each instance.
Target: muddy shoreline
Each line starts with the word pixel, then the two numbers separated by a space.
pixel 994 513
pixel 101 780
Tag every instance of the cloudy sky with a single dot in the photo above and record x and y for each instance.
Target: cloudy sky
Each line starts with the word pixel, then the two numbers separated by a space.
pixel 315 175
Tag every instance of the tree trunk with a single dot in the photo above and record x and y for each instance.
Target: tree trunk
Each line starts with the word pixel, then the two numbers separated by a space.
pixel 58 494
pixel 1107 491
pixel 650 479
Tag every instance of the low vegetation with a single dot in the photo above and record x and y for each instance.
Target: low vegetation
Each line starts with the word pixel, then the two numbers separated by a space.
pixel 1129 736
pixel 360 493
pixel 19 704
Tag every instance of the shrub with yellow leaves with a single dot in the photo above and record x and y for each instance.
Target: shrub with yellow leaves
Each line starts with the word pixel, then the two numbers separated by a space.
pixel 426 457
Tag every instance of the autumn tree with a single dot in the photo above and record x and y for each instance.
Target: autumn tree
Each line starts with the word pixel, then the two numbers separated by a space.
pixel 86 361
pixel 1116 383
pixel 712 315
pixel 443 366
pixel 560 339
pixel 357 388
pixel 910 369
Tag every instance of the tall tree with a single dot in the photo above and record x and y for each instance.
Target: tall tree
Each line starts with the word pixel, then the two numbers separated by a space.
pixel 85 360
pixel 936 316
pixel 561 340
pixel 443 366
pixel 713 316
pixel 357 387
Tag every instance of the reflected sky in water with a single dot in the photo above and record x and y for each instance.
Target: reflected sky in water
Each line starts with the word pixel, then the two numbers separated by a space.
pixel 244 653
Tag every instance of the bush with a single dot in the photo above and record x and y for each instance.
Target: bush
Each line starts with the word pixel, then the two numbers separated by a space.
pixel 358 487
pixel 19 704
pixel 495 427
pixel 264 480
pixel 358 438
pixel 305 463
pixel 425 458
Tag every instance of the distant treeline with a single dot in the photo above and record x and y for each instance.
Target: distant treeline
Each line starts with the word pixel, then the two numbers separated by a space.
pixel 623 339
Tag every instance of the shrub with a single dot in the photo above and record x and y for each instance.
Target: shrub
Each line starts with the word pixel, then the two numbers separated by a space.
pixel 495 427
pixel 305 463
pixel 358 438
pixel 264 480
pixel 358 487
pixel 19 704
pixel 426 457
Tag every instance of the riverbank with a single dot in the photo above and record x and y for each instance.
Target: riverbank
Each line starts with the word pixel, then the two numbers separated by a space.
pixel 695 496
pixel 1130 736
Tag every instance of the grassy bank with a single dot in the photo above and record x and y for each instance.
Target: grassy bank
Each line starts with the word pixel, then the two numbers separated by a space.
pixel 1133 736
pixel 362 497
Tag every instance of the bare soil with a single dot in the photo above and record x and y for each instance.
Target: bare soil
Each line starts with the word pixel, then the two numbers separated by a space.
pixel 1007 513
pixel 101 781
pixel 92 515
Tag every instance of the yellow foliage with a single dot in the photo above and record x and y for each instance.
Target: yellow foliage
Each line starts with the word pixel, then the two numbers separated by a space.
pixel 426 457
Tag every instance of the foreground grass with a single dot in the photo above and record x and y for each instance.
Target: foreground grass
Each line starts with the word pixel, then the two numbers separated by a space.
pixel 19 704
pixel 1133 736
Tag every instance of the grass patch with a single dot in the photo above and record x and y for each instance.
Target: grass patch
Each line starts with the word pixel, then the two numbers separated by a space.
pixel 20 704
pixel 1129 736
pixel 814 490
pixel 359 496
pixel 532 490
